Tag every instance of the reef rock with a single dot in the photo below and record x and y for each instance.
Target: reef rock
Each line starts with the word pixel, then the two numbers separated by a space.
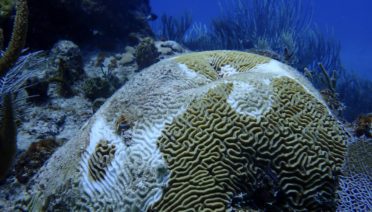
pixel 198 131
pixel 70 54
pixel 169 47
pixel 35 156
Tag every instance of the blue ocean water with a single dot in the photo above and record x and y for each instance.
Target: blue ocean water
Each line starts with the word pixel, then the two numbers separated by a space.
pixel 350 22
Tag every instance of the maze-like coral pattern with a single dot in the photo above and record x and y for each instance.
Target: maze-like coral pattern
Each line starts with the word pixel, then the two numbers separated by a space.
pixel 205 131
pixel 100 159
pixel 210 63
pixel 213 152
pixel 356 183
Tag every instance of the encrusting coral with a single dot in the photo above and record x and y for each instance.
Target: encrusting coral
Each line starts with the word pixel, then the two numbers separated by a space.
pixel 203 131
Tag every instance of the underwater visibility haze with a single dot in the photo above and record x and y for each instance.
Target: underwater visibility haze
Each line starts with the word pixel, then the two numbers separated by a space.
pixel 209 105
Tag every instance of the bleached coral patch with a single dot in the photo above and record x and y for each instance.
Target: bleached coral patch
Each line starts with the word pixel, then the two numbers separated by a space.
pixel 250 98
pixel 135 175
pixel 275 69
pixel 227 70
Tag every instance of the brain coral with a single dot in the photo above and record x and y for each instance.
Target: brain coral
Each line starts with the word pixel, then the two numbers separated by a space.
pixel 204 131
pixel 356 183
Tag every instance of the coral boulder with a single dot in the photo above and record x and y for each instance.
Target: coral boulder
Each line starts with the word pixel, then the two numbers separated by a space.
pixel 205 131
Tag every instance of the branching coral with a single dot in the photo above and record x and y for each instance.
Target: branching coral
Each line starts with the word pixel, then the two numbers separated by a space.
pixel 18 39
pixel 8 145
pixel 328 83
pixel 10 78
pixel 10 84
pixel 6 7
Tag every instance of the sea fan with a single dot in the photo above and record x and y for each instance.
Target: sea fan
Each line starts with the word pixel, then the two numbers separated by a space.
pixel 14 80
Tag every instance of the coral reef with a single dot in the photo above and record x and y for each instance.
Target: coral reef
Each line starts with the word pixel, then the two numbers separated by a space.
pixel 146 53
pixel 8 136
pixel 97 87
pixel 364 126
pixel 356 183
pixel 18 38
pixel 70 54
pixel 6 7
pixel 169 48
pixel 198 131
pixel 327 83
pixel 126 58
pixel 107 82
pixel 100 160
pixel 30 161
pixel 215 64
pixel 8 132
pixel 58 117
pixel 63 79
pixel 67 64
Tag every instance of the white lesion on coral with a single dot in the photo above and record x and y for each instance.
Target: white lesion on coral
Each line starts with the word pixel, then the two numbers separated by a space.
pixel 100 130
pixel 250 99
pixel 192 75
pixel 266 81
pixel 137 171
pixel 187 71
pixel 227 70
pixel 275 69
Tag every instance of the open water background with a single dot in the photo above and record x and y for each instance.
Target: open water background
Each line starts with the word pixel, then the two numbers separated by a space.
pixel 348 21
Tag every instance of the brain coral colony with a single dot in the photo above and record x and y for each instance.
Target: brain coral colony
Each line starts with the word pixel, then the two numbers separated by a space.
pixel 230 130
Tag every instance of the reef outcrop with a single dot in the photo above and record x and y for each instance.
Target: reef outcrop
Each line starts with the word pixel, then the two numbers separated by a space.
pixel 204 131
